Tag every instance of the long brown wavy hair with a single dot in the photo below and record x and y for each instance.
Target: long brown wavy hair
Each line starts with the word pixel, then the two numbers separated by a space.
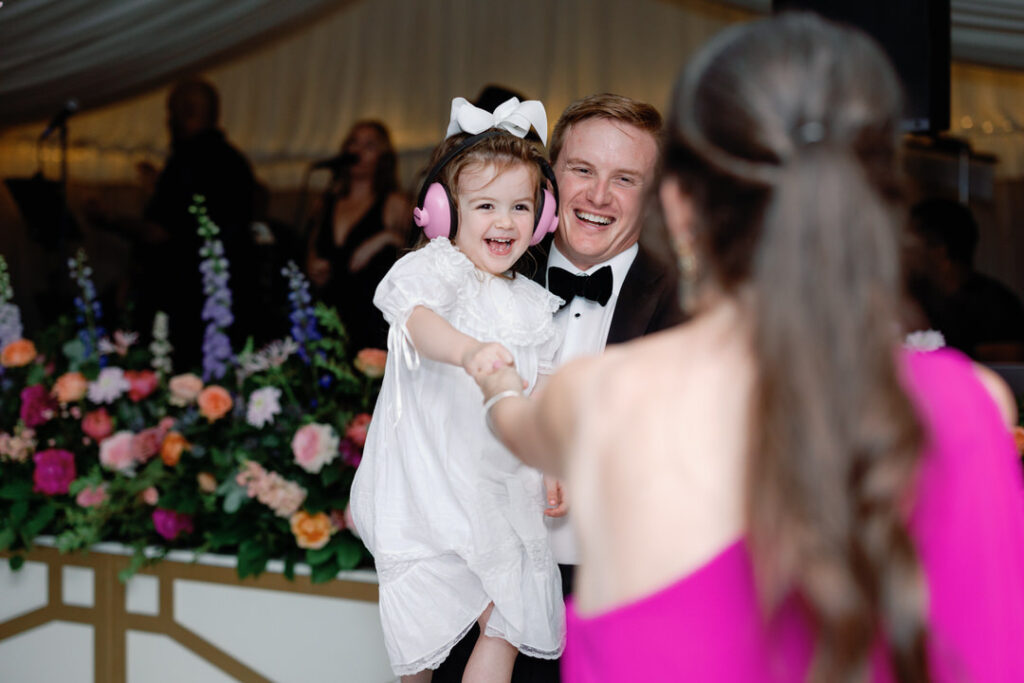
pixel 785 135
pixel 385 176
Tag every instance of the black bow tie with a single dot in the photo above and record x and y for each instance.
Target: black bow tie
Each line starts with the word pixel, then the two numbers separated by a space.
pixel 597 286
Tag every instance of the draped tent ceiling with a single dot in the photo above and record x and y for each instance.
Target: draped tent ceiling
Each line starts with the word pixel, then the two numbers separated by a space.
pixel 294 75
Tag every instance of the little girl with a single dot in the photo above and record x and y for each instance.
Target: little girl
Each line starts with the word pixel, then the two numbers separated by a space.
pixel 454 521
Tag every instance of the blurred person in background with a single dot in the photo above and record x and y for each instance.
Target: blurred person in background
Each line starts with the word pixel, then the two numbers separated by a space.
pixel 974 312
pixel 165 241
pixel 358 228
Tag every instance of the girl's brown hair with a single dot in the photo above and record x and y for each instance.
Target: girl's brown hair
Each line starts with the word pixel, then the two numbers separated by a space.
pixel 785 135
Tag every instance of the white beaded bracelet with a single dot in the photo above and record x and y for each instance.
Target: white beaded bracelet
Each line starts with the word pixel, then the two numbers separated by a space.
pixel 490 403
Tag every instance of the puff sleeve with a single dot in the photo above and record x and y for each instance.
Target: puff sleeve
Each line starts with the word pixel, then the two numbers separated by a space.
pixel 432 277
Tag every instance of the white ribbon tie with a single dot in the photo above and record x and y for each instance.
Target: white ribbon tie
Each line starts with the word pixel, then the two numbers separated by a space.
pixel 512 116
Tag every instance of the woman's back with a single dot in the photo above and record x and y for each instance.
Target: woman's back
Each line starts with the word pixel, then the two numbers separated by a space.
pixel 658 490
pixel 704 623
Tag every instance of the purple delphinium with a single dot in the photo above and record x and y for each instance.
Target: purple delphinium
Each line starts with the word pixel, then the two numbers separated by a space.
pixel 10 314
pixel 217 309
pixel 88 310
pixel 303 319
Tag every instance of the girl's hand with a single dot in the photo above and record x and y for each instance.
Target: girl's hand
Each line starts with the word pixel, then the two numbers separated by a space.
pixel 483 359
pixel 558 505
pixel 502 379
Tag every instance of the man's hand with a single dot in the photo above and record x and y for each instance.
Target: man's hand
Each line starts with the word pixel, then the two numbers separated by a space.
pixel 365 252
pixel 557 503
pixel 483 359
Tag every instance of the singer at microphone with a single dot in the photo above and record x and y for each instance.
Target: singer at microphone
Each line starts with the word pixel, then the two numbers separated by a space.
pixel 356 231
pixel 60 118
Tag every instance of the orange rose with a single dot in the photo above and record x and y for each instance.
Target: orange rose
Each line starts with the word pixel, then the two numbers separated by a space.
pixel 311 531
pixel 170 450
pixel 214 402
pixel 1018 438
pixel 70 387
pixel 18 353
pixel 371 362
pixel 207 482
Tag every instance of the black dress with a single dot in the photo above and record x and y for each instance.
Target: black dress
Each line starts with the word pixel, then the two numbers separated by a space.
pixel 351 293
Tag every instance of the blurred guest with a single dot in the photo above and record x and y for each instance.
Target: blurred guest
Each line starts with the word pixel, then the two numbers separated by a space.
pixel 774 490
pixel 975 313
pixel 360 225
pixel 201 162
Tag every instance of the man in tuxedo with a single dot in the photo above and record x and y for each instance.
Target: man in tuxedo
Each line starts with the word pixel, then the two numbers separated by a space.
pixel 603 150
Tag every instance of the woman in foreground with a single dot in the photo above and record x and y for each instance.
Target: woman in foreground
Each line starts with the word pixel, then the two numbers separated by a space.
pixel 774 491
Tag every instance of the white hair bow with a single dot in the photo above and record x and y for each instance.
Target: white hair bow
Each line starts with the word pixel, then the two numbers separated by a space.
pixel 512 115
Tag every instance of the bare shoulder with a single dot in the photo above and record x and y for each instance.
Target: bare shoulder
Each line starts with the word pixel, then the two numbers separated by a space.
pixel 612 383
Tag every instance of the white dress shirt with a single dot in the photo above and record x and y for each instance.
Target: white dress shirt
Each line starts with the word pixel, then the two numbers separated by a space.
pixel 586 324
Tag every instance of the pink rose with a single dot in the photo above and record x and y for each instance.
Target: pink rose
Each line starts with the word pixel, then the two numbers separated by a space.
pixel 142 383
pixel 97 424
pixel 150 496
pixel 351 454
pixel 37 406
pixel 116 452
pixel 54 472
pixel 146 444
pixel 92 496
pixel 350 523
pixel 356 429
pixel 171 523
pixel 185 389
pixel 338 519
pixel 314 445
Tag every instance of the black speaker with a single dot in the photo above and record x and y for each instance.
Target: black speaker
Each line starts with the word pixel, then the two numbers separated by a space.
pixel 915 35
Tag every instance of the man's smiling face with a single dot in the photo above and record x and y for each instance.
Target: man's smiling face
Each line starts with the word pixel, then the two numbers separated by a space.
pixel 603 172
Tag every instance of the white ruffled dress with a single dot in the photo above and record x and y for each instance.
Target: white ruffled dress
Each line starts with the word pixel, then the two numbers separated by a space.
pixel 453 520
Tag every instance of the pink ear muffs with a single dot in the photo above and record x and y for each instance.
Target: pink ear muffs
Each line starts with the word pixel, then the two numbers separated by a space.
pixel 547 222
pixel 435 213
pixel 435 216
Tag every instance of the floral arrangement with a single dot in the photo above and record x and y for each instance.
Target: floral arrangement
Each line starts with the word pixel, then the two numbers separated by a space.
pixel 100 441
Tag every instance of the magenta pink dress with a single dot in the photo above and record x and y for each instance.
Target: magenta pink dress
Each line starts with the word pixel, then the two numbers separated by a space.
pixel 968 526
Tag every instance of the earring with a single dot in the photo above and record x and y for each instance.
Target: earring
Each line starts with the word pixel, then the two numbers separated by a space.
pixel 686 257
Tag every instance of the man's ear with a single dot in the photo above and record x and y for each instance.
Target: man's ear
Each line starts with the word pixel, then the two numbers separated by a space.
pixel 678 209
